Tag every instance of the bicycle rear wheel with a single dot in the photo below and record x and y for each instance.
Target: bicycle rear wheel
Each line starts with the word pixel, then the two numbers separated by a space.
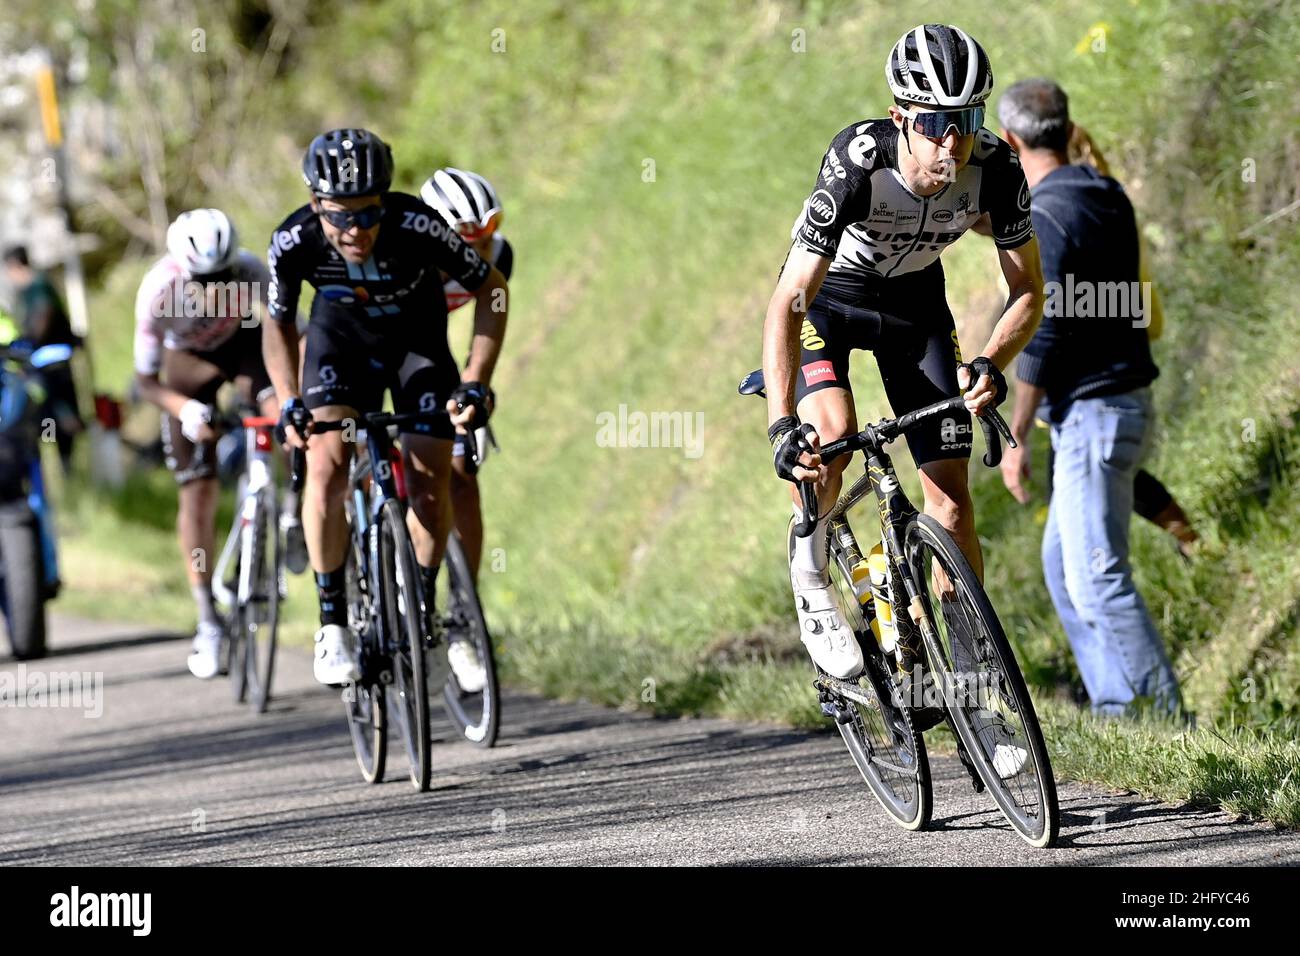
pixel 877 729
pixel 476 707
pixel 261 612
pixel 405 626
pixel 983 690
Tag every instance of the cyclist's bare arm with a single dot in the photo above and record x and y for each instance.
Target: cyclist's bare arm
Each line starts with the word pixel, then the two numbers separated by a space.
pixel 152 390
pixel 1024 310
pixel 983 226
pixel 491 310
pixel 795 290
pixel 280 353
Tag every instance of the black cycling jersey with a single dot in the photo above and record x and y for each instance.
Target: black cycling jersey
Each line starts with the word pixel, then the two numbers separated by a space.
pixel 862 215
pixel 401 277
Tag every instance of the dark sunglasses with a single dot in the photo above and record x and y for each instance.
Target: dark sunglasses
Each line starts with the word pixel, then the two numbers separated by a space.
pixel 936 124
pixel 345 219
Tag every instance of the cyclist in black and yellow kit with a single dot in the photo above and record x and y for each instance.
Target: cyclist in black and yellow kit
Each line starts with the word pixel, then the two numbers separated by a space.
pixel 864 273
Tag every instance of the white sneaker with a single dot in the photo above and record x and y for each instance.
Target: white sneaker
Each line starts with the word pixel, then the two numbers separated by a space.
pixel 470 673
pixel 1008 756
pixel 822 628
pixel 205 654
pixel 335 660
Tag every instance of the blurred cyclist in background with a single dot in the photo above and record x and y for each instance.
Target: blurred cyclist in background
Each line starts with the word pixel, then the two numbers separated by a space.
pixel 197 318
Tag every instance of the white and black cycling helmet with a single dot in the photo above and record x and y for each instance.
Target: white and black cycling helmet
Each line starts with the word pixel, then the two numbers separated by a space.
pixel 203 241
pixel 939 66
pixel 348 162
pixel 466 200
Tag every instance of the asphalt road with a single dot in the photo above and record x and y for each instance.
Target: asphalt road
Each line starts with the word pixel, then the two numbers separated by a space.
pixel 172 772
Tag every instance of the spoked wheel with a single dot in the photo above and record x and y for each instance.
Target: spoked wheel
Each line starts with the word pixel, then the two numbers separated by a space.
pixel 365 701
pixel 888 751
pixel 404 620
pixel 471 695
pixel 983 689
pixel 260 613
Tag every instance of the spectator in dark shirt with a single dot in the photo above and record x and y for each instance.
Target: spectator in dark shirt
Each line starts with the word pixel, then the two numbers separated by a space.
pixel 44 321
pixel 1090 361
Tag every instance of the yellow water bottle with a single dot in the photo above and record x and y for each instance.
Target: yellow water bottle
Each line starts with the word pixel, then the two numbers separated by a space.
pixel 883 625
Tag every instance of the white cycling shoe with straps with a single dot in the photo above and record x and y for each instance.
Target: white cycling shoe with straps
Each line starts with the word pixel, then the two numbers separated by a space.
pixel 335 658
pixel 822 628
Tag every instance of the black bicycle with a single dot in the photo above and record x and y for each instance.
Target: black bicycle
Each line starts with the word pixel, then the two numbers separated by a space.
pixel 388 610
pixel 922 668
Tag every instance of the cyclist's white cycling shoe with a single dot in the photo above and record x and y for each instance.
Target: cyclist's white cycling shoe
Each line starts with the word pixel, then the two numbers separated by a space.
pixel 470 673
pixel 335 660
pixel 1008 755
pixel 822 628
pixel 205 654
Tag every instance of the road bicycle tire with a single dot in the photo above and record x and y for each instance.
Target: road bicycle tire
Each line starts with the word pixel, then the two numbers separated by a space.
pixel 888 751
pixel 23 581
pixel 983 690
pixel 476 714
pixel 365 701
pixel 403 617
pixel 262 620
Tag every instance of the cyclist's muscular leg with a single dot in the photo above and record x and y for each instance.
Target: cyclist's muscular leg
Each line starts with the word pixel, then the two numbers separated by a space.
pixel 428 480
pixel 323 519
pixel 831 412
pixel 195 528
pixel 945 483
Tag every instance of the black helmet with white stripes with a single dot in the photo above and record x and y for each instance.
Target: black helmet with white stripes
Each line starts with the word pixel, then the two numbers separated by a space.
pixel 348 162
pixel 465 199
pixel 939 66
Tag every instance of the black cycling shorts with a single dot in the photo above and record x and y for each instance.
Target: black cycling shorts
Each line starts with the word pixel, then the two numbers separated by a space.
pixel 906 323
pixel 352 359
pixel 200 375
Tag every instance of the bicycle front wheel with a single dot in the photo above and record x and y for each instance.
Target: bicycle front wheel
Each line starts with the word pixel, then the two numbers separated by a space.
pixel 983 690
pixel 471 695
pixel 877 729
pixel 405 626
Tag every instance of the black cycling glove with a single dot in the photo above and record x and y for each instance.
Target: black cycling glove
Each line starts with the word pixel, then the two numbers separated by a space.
pixel 293 414
pixel 789 439
pixel 479 396
pixel 984 366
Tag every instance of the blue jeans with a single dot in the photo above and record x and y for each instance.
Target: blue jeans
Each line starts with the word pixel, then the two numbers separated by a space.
pixel 1085 553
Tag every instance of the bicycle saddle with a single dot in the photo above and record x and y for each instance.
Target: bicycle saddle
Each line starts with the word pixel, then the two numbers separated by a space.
pixel 752 384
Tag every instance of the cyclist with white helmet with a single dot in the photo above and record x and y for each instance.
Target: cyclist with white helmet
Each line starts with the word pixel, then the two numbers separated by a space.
pixel 864 273
pixel 378 323
pixel 197 314
pixel 471 206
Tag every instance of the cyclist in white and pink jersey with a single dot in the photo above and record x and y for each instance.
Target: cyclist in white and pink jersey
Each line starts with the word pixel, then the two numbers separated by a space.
pixel 197 326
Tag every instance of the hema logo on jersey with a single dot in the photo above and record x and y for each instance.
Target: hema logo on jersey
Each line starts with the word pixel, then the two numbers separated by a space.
pixel 816 372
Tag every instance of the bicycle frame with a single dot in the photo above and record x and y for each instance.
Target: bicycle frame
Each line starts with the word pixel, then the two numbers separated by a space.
pixel 259 473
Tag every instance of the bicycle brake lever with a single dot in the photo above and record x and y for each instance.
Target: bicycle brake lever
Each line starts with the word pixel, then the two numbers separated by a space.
pixel 993 456
pixel 808 495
